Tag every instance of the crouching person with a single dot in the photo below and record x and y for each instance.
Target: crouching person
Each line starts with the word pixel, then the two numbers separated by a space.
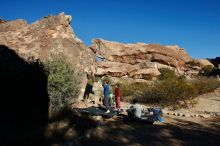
pixel 134 112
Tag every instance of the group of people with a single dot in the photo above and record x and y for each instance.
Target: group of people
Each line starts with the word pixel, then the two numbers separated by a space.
pixel 107 98
pixel 134 112
pixel 113 99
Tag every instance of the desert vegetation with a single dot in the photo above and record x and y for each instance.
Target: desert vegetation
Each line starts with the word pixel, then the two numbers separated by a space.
pixel 169 89
pixel 62 83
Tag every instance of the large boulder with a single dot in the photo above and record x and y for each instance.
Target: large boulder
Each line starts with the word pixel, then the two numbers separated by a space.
pixel 204 62
pixel 46 38
pixel 139 60
pixel 115 69
pixel 132 53
pixel 50 36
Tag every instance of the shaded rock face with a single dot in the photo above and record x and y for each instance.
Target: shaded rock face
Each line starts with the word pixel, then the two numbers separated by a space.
pixel 216 62
pixel 24 100
pixel 140 61
pixel 50 36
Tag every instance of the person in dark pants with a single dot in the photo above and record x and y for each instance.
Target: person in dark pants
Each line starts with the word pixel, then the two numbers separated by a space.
pixel 88 91
pixel 106 91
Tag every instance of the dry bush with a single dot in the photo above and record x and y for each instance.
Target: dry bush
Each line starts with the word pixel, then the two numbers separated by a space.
pixel 131 90
pixel 204 85
pixel 168 92
pixel 169 89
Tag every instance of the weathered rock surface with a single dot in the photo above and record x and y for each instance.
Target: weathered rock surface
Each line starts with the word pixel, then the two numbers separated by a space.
pixel 53 36
pixel 12 25
pixel 116 69
pixel 49 37
pixel 141 60
pixel 133 53
pixel 204 62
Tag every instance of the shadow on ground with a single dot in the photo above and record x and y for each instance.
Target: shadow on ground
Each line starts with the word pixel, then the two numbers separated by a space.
pixel 96 111
pixel 179 133
pixel 115 131
pixel 67 127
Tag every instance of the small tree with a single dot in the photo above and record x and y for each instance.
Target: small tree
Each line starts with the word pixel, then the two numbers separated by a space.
pixel 62 83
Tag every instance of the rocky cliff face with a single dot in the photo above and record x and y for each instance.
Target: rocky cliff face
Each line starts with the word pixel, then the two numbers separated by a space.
pixel 141 61
pixel 53 36
pixel 50 36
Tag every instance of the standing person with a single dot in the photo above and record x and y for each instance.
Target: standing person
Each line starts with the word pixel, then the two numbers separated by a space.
pixel 106 91
pixel 117 96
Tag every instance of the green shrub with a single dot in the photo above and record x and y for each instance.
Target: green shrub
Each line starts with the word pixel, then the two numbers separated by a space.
pixel 132 89
pixel 166 73
pixel 171 90
pixel 168 92
pixel 62 83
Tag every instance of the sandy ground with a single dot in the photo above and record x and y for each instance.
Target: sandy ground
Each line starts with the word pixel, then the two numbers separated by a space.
pixel 175 131
pixel 209 102
pixel 207 105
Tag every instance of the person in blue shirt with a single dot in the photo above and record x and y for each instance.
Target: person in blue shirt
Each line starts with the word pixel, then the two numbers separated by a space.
pixel 106 92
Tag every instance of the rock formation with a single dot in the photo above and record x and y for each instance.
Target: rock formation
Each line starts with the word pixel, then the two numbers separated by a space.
pixel 53 36
pixel 216 62
pixel 48 37
pixel 142 61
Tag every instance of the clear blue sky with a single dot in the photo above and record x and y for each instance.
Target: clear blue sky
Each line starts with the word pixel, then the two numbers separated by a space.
pixel 192 24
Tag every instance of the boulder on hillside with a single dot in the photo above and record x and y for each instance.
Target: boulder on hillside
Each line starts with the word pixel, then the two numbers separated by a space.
pixel 115 69
pixel 130 53
pixel 51 36
pixel 204 62
pixel 139 60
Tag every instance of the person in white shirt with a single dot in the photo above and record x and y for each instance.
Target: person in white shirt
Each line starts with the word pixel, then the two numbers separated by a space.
pixel 134 112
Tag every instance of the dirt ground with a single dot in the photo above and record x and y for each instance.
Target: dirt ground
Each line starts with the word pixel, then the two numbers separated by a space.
pixel 208 103
pixel 175 131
